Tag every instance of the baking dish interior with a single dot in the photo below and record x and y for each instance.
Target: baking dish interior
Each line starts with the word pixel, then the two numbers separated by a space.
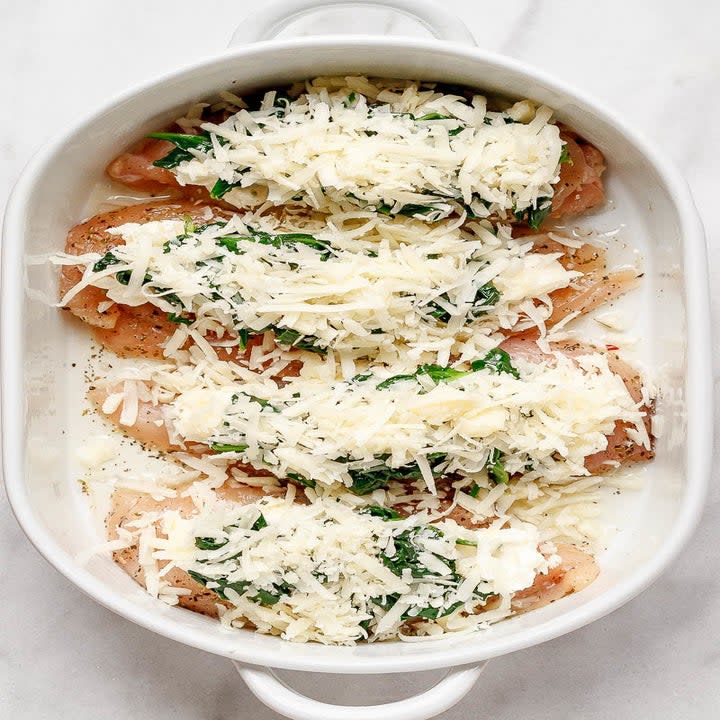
pixel 51 198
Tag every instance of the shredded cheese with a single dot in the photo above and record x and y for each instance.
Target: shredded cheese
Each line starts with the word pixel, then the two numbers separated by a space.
pixel 544 422
pixel 325 572
pixel 392 146
pixel 398 288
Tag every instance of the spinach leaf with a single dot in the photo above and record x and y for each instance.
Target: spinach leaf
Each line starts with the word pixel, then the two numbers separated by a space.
pixel 486 295
pixel 239 586
pixel 436 373
pixel 172 317
pixel 386 514
pixel 360 377
pixel 292 338
pixel 433 613
pixel 262 596
pixel 462 541
pixel 432 116
pixel 254 398
pixel 105 262
pixel 260 523
pixel 406 556
pixel 301 479
pixel 394 379
pixel 409 210
pixel 221 187
pixel 498 361
pixel 183 143
pixel 225 447
pixel 537 215
pixel 496 468
pixel 206 543
pixel 231 241
pixel 565 155
pixel 364 481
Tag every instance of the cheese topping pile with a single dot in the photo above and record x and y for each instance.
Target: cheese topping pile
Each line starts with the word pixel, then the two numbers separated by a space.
pixel 391 146
pixel 324 571
pixel 505 416
pixel 442 290
pixel 378 242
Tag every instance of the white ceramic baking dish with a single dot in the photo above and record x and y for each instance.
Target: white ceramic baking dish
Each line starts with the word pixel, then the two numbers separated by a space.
pixel 40 406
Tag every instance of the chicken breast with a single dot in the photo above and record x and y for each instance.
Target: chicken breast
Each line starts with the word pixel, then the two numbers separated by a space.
pixel 622 448
pixel 128 331
pixel 576 570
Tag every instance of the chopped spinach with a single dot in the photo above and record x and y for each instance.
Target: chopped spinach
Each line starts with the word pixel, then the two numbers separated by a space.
pixel 107 260
pixel 407 553
pixel 537 215
pixel 254 398
pixel 497 360
pixel 487 295
pixel 462 541
pixel 496 468
pixel 301 479
pixel 432 116
pixel 221 187
pixel 206 543
pixel 172 317
pixel 409 210
pixel 292 338
pixel 366 480
pixel 394 379
pixel 386 514
pixel 260 523
pixel 181 152
pixel 226 447
pixel 261 597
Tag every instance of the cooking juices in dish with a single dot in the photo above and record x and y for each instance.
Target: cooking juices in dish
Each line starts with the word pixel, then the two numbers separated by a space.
pixel 347 320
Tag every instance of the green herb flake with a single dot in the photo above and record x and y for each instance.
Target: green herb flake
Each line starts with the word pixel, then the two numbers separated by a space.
pixel 536 216
pixel 106 261
pixel 498 361
pixel 183 144
pixel 221 188
pixel 496 468
pixel 301 479
pixel 432 116
pixel 226 447
pixel 386 514
pixel 205 543
pixel 260 523
pixel 469 543
pixel 172 317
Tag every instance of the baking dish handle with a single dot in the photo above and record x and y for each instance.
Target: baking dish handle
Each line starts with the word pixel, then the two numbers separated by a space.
pixel 267 21
pixel 274 693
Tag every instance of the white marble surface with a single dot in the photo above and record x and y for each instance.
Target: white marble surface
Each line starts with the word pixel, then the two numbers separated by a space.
pixel 62 655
